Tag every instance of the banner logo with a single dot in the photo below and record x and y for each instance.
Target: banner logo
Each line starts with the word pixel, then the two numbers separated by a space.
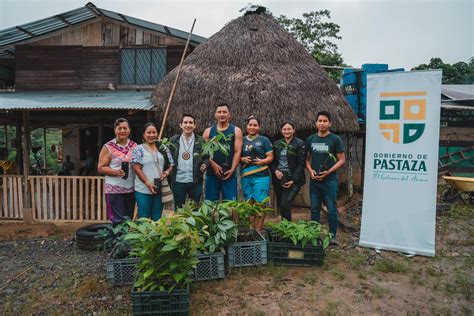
pixel 402 116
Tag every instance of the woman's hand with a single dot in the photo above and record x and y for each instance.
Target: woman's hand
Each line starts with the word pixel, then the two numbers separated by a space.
pixel 118 173
pixel 247 160
pixel 278 174
pixel 258 162
pixel 289 184
pixel 150 187
pixel 164 175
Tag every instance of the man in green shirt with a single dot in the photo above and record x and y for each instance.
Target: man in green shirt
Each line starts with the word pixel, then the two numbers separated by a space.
pixel 325 155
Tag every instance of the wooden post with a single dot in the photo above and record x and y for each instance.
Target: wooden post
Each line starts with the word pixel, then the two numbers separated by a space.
pixel 45 166
pixel 27 212
pixel 6 138
pixel 18 147
pixel 100 136
pixel 350 184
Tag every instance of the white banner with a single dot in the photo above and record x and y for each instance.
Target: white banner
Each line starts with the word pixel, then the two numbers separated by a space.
pixel 401 161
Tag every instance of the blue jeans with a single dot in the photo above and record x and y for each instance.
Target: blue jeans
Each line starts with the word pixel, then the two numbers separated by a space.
pixel 255 188
pixel 192 190
pixel 149 205
pixel 215 185
pixel 326 191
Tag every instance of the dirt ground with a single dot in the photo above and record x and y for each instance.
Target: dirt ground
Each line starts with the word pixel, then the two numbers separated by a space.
pixel 42 272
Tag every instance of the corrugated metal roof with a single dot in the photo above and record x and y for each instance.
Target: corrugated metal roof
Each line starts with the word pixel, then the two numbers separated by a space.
pixel 76 100
pixel 42 27
pixel 458 91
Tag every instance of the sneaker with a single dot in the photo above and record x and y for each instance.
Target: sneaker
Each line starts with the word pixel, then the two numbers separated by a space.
pixel 334 242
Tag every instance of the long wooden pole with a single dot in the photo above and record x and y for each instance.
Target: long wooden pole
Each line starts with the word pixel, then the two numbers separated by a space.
pixel 165 116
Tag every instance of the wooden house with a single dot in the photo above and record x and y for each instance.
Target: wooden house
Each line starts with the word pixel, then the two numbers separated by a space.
pixel 77 71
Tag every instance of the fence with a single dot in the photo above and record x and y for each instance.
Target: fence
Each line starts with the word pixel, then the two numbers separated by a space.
pixel 54 198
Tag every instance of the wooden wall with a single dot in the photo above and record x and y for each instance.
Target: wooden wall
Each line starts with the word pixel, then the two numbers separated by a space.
pixel 174 53
pixel 48 67
pixel 106 33
pixel 74 67
pixel 100 66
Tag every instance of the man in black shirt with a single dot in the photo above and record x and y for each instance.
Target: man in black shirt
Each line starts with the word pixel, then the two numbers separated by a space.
pixel 325 155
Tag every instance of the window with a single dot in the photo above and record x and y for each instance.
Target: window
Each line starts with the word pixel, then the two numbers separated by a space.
pixel 142 66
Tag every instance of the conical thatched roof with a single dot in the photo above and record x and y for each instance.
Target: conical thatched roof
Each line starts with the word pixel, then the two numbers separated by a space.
pixel 258 68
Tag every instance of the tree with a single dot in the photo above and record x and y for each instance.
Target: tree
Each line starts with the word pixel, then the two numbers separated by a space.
pixel 458 73
pixel 317 35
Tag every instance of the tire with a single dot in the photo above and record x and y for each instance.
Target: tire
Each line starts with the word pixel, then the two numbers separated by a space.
pixel 91 231
pixel 87 236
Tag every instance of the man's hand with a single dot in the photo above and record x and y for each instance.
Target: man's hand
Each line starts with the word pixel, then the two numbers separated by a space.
pixel 278 174
pixel 313 174
pixel 322 175
pixel 289 184
pixel 228 174
pixel 217 169
pixel 203 167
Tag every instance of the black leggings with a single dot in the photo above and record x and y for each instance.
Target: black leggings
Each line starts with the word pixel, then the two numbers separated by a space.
pixel 284 199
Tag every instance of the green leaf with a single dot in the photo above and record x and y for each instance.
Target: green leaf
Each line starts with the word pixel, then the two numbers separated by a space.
pixel 191 221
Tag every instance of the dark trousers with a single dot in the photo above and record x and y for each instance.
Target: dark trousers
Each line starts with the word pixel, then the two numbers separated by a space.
pixel 284 198
pixel 120 206
pixel 180 190
pixel 324 191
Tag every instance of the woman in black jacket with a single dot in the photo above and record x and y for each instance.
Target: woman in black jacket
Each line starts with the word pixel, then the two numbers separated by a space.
pixel 287 168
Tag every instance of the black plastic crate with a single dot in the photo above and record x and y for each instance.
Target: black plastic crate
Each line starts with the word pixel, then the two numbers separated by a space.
pixel 161 302
pixel 289 254
pixel 121 271
pixel 248 253
pixel 210 267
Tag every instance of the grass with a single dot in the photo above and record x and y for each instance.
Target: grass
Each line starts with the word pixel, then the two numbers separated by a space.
pixel 331 308
pixel 356 261
pixel 461 284
pixel 391 266
pixel 338 274
pixel 378 291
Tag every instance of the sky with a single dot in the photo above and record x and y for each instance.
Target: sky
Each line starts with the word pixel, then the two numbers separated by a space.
pixel 401 33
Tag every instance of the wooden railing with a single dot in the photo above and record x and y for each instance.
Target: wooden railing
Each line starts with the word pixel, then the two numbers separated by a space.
pixel 55 198
pixel 11 197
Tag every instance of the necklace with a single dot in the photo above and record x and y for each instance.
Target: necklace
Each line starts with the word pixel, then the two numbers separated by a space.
pixel 186 155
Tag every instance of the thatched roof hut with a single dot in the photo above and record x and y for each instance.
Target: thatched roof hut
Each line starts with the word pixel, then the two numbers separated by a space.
pixel 258 68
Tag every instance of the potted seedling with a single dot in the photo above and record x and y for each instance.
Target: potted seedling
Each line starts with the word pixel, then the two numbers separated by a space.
pixel 214 223
pixel 300 243
pixel 217 144
pixel 120 266
pixel 324 165
pixel 250 247
pixel 167 251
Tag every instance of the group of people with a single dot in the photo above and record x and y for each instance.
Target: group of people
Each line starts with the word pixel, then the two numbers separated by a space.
pixel 152 173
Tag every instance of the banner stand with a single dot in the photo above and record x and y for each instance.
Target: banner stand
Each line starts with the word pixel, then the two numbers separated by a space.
pixel 401 161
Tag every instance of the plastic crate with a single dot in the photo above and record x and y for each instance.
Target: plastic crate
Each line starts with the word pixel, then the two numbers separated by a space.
pixel 210 267
pixel 121 271
pixel 289 254
pixel 248 253
pixel 160 302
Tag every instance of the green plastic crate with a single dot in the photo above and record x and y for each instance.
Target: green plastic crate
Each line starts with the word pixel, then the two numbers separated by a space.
pixel 248 253
pixel 289 254
pixel 161 302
